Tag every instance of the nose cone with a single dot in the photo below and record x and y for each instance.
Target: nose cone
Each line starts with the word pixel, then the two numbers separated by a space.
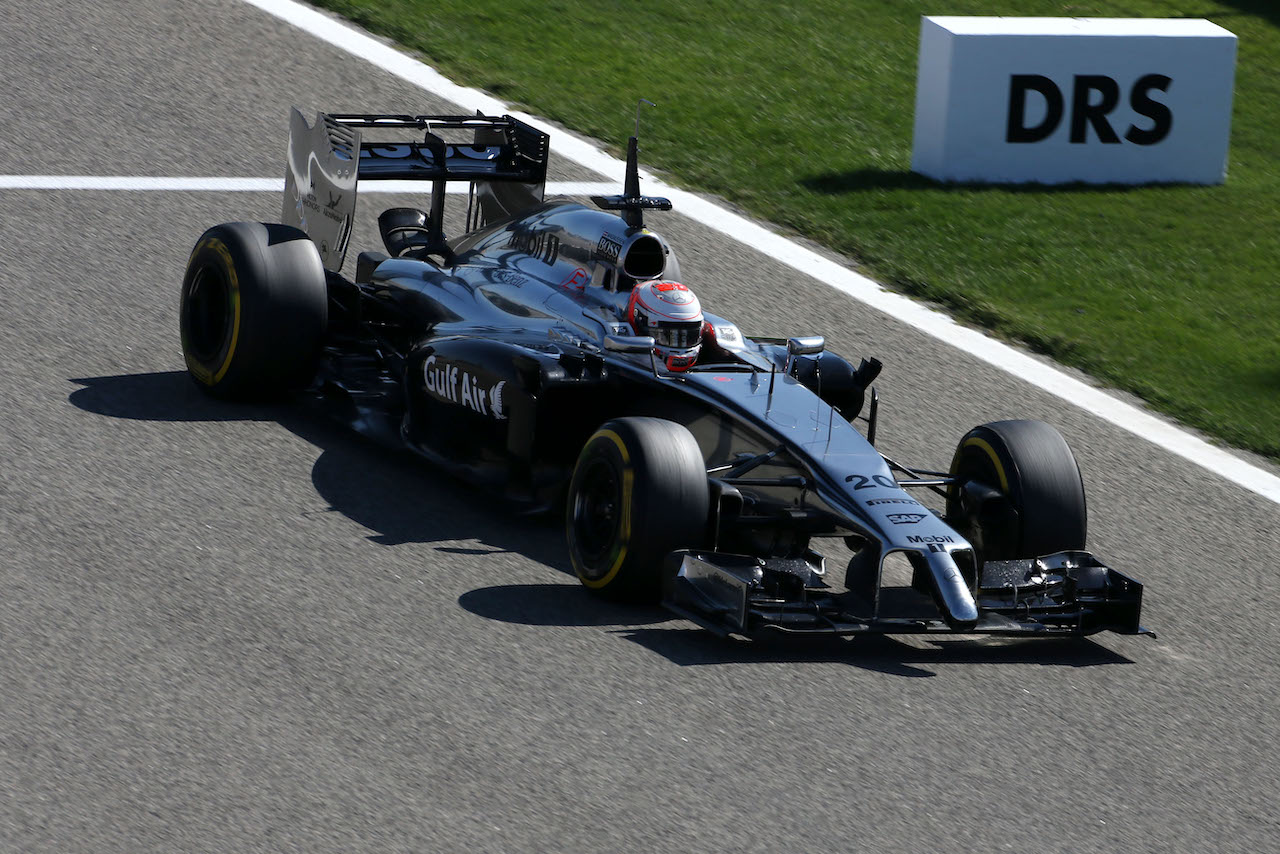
pixel 955 600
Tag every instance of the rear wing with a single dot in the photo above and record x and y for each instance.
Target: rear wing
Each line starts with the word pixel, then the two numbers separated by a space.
pixel 329 158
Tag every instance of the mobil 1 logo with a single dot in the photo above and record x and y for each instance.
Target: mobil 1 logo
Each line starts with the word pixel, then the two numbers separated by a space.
pixel 1093 97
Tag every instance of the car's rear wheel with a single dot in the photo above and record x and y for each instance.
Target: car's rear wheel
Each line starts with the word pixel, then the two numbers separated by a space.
pixel 1019 493
pixel 254 309
pixel 639 491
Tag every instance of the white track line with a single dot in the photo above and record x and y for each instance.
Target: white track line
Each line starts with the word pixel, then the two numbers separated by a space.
pixel 252 185
pixel 136 182
pixel 713 216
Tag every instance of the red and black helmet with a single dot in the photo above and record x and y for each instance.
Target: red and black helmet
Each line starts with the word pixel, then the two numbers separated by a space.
pixel 669 313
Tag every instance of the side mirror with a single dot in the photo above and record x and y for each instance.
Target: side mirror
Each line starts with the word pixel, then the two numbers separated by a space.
pixel 629 343
pixel 810 345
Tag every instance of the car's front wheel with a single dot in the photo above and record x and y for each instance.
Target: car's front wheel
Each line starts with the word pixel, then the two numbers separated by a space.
pixel 1018 491
pixel 639 491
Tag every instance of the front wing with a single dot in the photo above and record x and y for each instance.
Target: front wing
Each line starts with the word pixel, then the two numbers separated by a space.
pixel 1068 593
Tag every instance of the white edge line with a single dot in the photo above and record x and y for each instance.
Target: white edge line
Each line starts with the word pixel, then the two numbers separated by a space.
pixel 252 185
pixel 1008 359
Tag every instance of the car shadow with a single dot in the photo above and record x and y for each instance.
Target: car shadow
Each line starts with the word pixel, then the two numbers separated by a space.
pixel 162 396
pixel 907 656
pixel 683 644
pixel 397 496
pixel 556 605
pixel 402 499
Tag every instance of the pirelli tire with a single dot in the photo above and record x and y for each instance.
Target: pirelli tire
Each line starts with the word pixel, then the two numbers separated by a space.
pixel 1040 508
pixel 254 310
pixel 639 491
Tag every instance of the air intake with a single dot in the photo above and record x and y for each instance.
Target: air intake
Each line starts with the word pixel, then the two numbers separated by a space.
pixel 645 258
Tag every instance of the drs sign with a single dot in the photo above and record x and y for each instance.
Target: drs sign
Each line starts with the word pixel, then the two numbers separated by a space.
pixel 1053 100
pixel 1088 111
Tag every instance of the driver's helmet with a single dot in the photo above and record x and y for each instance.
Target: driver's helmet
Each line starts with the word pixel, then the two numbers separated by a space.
pixel 671 314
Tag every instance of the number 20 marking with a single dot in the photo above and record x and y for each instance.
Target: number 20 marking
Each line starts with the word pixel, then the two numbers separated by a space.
pixel 864 482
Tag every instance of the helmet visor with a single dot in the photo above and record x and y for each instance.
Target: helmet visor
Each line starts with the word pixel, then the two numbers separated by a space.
pixel 680 335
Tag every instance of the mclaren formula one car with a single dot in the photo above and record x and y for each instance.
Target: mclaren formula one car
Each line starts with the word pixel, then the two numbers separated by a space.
pixel 552 353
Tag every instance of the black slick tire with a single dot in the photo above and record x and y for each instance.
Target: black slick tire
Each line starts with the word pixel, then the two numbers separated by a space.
pixel 639 491
pixel 253 311
pixel 1042 510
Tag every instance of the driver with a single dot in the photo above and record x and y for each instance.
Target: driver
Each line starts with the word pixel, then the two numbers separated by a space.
pixel 670 314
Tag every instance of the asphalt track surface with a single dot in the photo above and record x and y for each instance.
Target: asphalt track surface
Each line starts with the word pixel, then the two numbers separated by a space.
pixel 229 628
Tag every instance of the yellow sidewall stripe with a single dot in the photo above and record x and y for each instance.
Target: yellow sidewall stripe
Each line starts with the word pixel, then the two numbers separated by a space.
pixel 200 371
pixel 221 248
pixel 624 531
pixel 985 447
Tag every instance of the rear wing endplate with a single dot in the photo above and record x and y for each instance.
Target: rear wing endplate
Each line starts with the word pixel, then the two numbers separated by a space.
pixel 329 157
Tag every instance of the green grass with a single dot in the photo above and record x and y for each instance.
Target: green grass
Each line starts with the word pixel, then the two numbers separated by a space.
pixel 801 112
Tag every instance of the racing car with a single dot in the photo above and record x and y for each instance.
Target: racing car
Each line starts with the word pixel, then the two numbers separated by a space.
pixel 552 353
